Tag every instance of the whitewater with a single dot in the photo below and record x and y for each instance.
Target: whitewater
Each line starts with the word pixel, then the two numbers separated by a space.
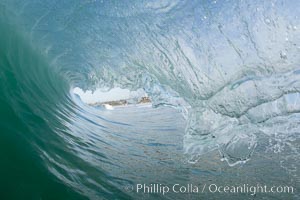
pixel 223 78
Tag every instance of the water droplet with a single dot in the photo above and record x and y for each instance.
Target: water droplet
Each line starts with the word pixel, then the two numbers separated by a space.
pixel 268 21
pixel 283 55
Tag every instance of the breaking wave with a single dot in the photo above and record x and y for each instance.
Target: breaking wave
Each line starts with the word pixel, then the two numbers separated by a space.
pixel 229 68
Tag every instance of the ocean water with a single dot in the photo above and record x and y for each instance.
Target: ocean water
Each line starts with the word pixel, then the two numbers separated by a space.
pixel 223 77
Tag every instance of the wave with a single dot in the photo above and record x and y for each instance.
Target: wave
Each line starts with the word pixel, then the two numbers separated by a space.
pixel 231 69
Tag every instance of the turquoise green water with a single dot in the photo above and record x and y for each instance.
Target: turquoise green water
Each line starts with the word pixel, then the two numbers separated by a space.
pixel 224 83
pixel 24 126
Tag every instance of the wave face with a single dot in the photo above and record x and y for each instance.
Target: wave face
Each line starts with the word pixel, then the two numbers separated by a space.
pixel 223 76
